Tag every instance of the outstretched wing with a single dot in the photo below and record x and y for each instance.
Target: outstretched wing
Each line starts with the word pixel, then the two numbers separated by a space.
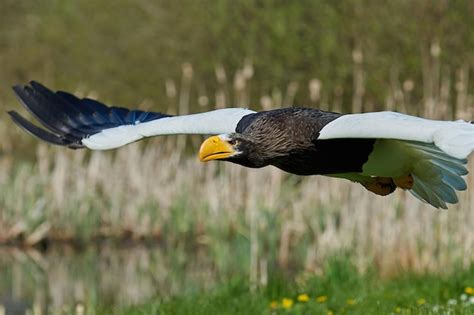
pixel 456 138
pixel 433 152
pixel 79 123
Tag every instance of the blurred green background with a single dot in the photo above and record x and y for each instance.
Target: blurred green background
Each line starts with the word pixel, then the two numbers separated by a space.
pixel 128 49
pixel 149 229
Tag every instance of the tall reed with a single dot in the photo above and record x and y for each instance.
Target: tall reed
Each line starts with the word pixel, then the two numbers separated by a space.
pixel 159 191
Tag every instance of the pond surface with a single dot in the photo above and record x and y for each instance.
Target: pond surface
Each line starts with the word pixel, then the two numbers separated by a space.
pixel 63 278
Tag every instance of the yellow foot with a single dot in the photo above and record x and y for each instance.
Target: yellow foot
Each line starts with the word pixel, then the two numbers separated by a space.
pixel 380 185
pixel 404 182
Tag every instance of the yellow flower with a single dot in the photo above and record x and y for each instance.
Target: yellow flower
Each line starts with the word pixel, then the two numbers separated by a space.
pixel 287 303
pixel 321 299
pixel 273 305
pixel 303 298
pixel 398 309
pixel 421 301
pixel 351 301
pixel 330 313
pixel 469 290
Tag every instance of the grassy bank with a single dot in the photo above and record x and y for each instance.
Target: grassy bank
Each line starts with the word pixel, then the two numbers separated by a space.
pixel 164 280
pixel 341 290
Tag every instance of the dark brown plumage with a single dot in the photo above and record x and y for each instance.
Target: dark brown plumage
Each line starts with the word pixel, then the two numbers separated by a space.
pixel 288 139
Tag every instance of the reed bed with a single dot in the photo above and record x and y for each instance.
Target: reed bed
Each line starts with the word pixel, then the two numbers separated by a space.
pixel 143 193
pixel 158 191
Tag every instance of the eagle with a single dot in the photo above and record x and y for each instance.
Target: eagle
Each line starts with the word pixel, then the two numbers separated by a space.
pixel 382 151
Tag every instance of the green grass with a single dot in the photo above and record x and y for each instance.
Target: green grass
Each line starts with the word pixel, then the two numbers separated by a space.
pixel 342 290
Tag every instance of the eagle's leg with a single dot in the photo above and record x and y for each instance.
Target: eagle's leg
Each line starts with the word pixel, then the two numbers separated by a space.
pixel 404 182
pixel 380 185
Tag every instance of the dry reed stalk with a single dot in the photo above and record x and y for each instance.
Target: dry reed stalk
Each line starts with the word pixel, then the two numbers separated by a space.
pixel 392 232
pixel 152 190
pixel 291 90
pixel 221 93
pixel 358 81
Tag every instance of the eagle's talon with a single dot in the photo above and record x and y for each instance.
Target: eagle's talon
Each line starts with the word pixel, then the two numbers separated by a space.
pixel 380 185
pixel 404 182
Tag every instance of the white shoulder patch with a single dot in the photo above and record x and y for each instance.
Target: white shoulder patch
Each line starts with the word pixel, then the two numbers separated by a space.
pixel 456 138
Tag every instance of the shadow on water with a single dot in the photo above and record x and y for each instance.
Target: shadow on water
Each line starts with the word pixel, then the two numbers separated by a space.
pixel 62 278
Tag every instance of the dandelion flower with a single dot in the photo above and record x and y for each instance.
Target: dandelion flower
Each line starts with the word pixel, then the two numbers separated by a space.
pixel 421 301
pixel 452 302
pixel 273 305
pixel 303 297
pixel 469 290
pixel 321 299
pixel 351 301
pixel 287 303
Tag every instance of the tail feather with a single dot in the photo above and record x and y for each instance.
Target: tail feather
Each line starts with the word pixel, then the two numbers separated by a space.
pixel 426 193
pixel 437 176
pixel 454 181
pixel 436 154
pixel 445 193
pixel 449 167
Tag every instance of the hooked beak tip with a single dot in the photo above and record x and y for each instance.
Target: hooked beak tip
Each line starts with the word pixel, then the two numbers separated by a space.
pixel 215 148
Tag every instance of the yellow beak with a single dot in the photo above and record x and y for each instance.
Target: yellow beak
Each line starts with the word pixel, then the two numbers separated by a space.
pixel 214 148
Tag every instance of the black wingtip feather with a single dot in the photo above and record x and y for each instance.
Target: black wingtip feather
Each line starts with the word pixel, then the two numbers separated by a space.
pixel 41 133
pixel 48 112
pixel 68 119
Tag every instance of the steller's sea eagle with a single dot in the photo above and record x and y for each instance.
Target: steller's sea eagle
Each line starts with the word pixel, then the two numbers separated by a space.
pixel 380 150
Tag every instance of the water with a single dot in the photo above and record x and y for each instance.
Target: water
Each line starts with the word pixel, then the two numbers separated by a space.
pixel 63 278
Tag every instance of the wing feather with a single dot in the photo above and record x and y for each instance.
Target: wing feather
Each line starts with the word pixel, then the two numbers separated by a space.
pixel 456 138
pixel 436 175
pixel 77 123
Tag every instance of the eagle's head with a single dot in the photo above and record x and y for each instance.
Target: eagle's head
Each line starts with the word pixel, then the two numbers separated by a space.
pixel 236 148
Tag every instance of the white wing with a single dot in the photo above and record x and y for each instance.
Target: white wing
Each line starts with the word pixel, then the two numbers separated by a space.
pixel 77 123
pixel 213 122
pixel 456 138
pixel 436 175
pixel 433 152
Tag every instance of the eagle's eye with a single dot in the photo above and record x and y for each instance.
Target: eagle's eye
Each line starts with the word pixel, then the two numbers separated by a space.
pixel 232 142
